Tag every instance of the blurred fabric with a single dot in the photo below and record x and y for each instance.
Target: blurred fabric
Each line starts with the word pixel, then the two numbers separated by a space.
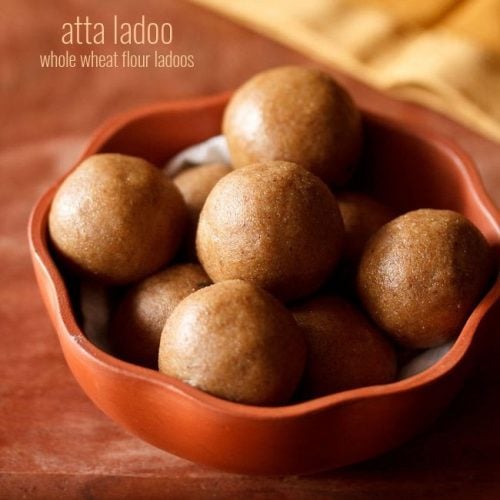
pixel 441 53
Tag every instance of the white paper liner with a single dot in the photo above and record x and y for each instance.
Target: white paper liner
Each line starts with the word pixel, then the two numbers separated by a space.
pixel 95 303
pixel 213 150
pixel 424 360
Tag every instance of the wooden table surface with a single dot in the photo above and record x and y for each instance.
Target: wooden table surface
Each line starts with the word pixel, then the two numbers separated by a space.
pixel 53 442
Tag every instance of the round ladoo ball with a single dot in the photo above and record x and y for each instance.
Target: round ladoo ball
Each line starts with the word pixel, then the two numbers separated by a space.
pixel 116 219
pixel 140 317
pixel 295 114
pixel 345 350
pixel 274 224
pixel 195 183
pixel 363 216
pixel 235 341
pixel 421 275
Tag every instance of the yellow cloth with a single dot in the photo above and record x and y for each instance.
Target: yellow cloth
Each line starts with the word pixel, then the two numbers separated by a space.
pixel 442 53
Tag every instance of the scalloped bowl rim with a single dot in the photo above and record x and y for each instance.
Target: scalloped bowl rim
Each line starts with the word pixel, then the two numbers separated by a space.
pixel 39 250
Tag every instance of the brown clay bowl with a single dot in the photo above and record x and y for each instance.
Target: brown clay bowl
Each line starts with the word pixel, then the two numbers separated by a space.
pixel 404 166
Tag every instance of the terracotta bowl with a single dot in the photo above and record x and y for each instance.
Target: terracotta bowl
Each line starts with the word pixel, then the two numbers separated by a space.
pixel 406 167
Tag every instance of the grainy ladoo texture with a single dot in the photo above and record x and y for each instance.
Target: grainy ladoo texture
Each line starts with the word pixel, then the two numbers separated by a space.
pixel 421 275
pixel 195 183
pixel 363 216
pixel 234 341
pixel 116 219
pixel 140 317
pixel 295 114
pixel 345 350
pixel 274 224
